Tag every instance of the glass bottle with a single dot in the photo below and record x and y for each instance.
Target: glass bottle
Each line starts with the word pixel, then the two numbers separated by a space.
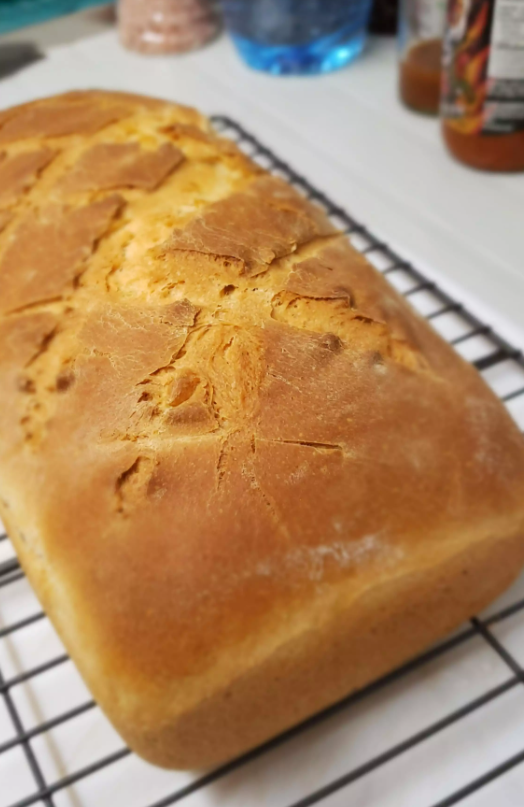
pixel 483 83
pixel 421 28
pixel 297 36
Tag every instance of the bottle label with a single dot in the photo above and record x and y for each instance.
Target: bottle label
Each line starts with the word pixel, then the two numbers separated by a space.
pixel 428 18
pixel 483 66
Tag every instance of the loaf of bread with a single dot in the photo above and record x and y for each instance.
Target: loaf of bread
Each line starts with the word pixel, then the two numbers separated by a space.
pixel 242 475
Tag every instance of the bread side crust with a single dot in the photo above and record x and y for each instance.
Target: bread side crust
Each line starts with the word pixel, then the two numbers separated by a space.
pixel 387 626
pixel 362 639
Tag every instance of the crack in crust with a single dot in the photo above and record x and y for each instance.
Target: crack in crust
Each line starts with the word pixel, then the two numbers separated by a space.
pixel 132 483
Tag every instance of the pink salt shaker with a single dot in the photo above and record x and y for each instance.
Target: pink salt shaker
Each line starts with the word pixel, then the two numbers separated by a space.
pixel 167 26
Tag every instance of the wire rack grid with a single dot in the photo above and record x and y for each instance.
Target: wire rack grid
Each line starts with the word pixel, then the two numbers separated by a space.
pixel 57 749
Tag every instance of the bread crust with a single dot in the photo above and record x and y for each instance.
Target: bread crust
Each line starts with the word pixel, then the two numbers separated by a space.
pixel 244 477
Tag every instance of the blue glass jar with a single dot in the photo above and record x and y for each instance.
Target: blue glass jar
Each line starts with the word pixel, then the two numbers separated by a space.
pixel 297 36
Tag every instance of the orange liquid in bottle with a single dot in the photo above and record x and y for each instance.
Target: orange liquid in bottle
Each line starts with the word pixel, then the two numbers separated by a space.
pixel 420 76
pixel 503 152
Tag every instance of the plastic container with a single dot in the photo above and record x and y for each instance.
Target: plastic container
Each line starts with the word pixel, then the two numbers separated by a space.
pixel 421 29
pixel 166 26
pixel 297 36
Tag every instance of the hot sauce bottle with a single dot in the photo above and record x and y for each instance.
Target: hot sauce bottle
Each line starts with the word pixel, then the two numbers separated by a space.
pixel 482 106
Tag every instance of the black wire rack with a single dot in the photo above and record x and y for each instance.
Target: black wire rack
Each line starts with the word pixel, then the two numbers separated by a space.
pixel 472 338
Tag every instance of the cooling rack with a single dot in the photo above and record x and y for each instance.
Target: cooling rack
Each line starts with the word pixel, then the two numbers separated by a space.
pixel 446 728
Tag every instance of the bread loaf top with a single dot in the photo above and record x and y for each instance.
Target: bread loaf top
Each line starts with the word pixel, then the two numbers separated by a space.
pixel 218 423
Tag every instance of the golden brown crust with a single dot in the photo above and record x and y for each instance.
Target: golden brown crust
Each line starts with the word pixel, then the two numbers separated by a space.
pixel 5 218
pixel 385 628
pixel 254 227
pixel 121 165
pixel 19 172
pixel 43 257
pixel 59 120
pixel 243 475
